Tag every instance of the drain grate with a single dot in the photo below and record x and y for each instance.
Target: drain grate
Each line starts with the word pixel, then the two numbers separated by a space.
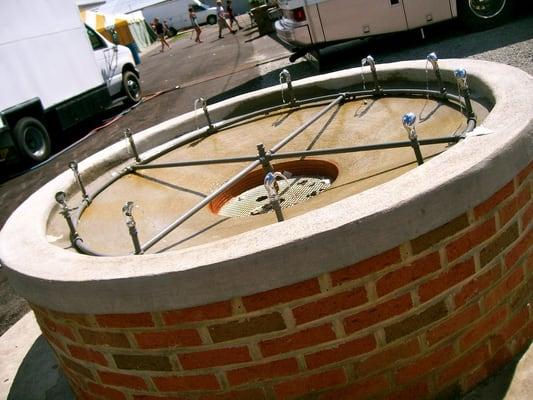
pixel 294 190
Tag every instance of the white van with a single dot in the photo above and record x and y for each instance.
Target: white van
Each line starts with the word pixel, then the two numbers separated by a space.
pixel 312 24
pixel 176 13
pixel 54 73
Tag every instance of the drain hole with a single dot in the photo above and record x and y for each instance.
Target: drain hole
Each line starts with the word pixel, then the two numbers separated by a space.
pixel 305 180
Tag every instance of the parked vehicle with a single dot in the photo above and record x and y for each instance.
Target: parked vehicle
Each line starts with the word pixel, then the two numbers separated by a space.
pixel 176 13
pixel 313 24
pixel 55 72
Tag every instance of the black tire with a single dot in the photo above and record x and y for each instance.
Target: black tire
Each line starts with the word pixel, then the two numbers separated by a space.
pixel 483 14
pixel 211 19
pixel 131 88
pixel 32 139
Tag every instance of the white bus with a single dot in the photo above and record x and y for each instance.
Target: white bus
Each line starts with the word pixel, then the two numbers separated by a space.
pixel 312 24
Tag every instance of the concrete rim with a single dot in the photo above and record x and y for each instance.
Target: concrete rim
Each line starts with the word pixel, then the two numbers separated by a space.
pixel 67 281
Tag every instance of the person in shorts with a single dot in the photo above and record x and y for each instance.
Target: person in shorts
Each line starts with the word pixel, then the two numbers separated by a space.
pixel 160 30
pixel 221 18
pixel 231 15
pixel 194 23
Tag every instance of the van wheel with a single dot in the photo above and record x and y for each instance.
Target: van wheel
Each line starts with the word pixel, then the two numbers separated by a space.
pixel 32 139
pixel 212 19
pixel 483 14
pixel 131 88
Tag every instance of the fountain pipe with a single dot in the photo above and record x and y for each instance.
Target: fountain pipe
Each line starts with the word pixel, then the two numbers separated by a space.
pixel 127 134
pixel 127 210
pixel 434 60
pixel 206 113
pixel 60 198
pixel 370 61
pixel 73 165
pixel 461 77
pixel 408 121
pixel 285 77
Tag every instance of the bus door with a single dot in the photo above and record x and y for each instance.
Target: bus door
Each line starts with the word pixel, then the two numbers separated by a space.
pixel 346 19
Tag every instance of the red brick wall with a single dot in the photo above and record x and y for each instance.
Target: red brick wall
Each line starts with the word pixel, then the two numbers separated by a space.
pixel 433 316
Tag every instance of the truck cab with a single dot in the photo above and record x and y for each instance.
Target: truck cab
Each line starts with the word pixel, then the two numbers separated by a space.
pixel 55 72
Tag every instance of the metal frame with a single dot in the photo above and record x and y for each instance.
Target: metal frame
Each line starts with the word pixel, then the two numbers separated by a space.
pixel 263 157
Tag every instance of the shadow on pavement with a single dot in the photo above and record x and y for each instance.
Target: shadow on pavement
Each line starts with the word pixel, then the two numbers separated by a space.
pixel 39 376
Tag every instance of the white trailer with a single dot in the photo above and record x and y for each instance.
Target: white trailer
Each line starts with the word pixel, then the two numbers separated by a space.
pixel 54 73
pixel 176 13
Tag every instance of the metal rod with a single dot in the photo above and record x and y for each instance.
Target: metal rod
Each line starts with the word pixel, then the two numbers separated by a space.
pixel 127 133
pixel 73 165
pixel 235 178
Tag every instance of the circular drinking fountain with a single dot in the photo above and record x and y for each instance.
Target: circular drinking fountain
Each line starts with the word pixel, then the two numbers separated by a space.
pixel 361 233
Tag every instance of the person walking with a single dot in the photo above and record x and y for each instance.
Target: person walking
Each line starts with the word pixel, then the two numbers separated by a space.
pixel 231 15
pixel 160 30
pixel 221 18
pixel 194 23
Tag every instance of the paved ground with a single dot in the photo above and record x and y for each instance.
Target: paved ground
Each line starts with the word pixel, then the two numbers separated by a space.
pixel 221 68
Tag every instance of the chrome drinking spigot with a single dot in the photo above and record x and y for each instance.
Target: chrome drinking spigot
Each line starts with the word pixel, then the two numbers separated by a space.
pixel 73 165
pixel 461 77
pixel 408 121
pixel 285 77
pixel 434 60
pixel 61 199
pixel 272 190
pixel 203 103
pixel 370 61
pixel 127 210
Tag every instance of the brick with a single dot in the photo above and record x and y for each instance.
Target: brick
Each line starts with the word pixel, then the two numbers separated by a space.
pixel 106 392
pixel 341 352
pixel 475 377
pixel 245 327
pixel 366 267
pixel 498 244
pixel 246 394
pixel 191 382
pixel 142 362
pixel 527 216
pixel 299 340
pixel 493 201
pixel 76 368
pixel 500 292
pixel 55 327
pixel 408 274
pixel 216 357
pixel 262 371
pixel 424 365
pixel 418 391
pixel 122 380
pixel 416 322
pixel 168 338
pixel 381 312
pixel 387 357
pixel 519 249
pixel 366 389
pixel 504 335
pixel 329 305
pixel 509 210
pixel 80 319
pixel 55 342
pixel 281 295
pixel 308 384
pixel 447 280
pixel 472 289
pixel 453 324
pixel 464 365
pixel 149 397
pixel 471 239
pixel 439 234
pixel 113 339
pixel 482 328
pixel 84 354
pixel 524 174
pixel 140 320
pixel 201 313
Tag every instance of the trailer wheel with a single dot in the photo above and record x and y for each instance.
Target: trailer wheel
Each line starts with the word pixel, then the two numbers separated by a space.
pixel 131 88
pixel 212 19
pixel 483 14
pixel 32 139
